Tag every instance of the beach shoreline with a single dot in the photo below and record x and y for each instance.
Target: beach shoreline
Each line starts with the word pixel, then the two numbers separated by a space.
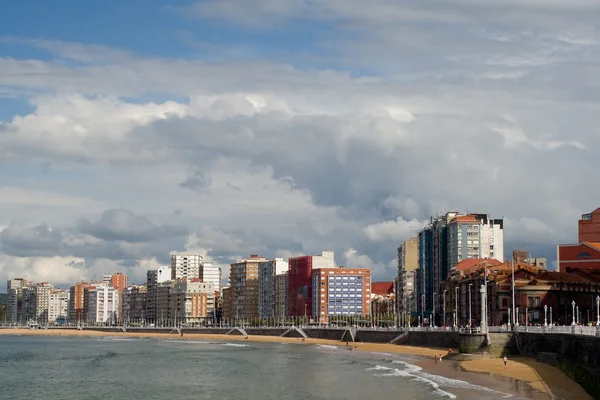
pixel 545 380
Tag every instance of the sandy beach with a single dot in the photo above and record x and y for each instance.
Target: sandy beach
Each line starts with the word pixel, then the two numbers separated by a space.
pixel 548 381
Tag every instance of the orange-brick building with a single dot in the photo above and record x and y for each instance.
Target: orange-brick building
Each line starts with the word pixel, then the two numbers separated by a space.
pixel 589 227
pixel 585 255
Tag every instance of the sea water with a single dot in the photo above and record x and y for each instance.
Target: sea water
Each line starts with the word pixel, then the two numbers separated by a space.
pixel 36 367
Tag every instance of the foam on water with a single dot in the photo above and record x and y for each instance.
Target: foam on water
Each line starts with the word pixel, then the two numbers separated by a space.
pixel 326 346
pixel 416 373
pixel 234 345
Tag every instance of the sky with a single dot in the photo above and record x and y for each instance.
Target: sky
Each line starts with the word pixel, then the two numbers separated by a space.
pixel 130 130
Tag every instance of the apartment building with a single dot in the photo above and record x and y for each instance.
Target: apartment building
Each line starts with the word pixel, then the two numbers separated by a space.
pixel 102 304
pixel 267 271
pixel 300 281
pixel 186 266
pixel 243 278
pixel 192 301
pixel 133 303
pixel 475 236
pixel 77 310
pixel 15 309
pixel 340 292
pixel 153 279
pixel 58 306
pixel 211 273
pixel 408 263
pixel 281 295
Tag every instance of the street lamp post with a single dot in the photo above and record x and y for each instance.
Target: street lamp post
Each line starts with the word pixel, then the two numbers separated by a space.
pixel 526 312
pixel 470 309
pixel 597 310
pixel 545 315
pixel 573 305
pixel 517 317
pixel 577 308
pixel 444 309
pixel 550 315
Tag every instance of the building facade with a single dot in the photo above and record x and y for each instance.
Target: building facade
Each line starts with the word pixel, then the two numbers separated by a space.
pixel 243 277
pixel 475 236
pixel 186 266
pixel 15 309
pixel 134 303
pixel 584 255
pixel 153 279
pixel 408 263
pixel 267 271
pixel 281 295
pixel 102 304
pixel 211 273
pixel 77 311
pixel 192 301
pixel 340 292
pixel 227 313
pixel 58 307
pixel 300 281
pixel 589 227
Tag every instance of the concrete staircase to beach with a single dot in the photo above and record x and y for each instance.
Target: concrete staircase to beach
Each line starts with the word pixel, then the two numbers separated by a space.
pixel 294 331
pixel 237 331
pixel 400 338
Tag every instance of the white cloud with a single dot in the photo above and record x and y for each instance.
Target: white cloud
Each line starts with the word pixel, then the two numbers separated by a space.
pixel 396 230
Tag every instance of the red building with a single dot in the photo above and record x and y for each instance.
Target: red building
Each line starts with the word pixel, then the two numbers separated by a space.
pixel 585 255
pixel 300 281
pixel 589 227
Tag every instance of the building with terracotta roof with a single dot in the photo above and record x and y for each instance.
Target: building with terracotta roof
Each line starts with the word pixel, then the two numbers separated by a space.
pixel 585 255
pixel 589 227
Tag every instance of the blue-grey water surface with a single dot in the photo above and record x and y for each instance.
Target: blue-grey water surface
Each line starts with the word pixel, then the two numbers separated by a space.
pixel 36 367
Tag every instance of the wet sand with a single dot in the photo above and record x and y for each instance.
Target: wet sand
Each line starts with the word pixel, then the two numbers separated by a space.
pixel 522 376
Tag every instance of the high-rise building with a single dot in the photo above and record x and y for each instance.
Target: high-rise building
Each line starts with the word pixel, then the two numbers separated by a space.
pixel 102 304
pixel 41 302
pixel 77 311
pixel 338 292
pixel 475 236
pixel 243 277
pixel 425 290
pixel 186 266
pixel 589 227
pixel 408 263
pixel 58 308
pixel 300 281
pixel 281 296
pixel 119 281
pixel 211 273
pixel 15 309
pixel 227 314
pixel 267 271
pixel 154 278
pixel 133 303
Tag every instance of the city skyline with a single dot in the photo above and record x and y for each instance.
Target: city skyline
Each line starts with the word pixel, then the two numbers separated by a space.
pixel 286 128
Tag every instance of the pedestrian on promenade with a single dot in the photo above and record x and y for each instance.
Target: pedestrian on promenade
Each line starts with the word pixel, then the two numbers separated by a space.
pixel 505 360
pixel 435 359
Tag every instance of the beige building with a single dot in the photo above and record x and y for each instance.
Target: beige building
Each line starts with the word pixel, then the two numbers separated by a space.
pixel 15 313
pixel 192 301
pixel 408 263
pixel 281 293
pixel 243 277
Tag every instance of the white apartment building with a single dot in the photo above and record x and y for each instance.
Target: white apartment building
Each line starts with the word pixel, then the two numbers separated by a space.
pixel 58 307
pixel 211 273
pixel 267 271
pixel 42 302
pixel 281 294
pixel 186 266
pixel 103 304
pixel 475 236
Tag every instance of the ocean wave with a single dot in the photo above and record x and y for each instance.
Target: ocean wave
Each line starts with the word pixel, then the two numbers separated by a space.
pixel 234 345
pixel 327 346
pixel 457 383
pixel 411 372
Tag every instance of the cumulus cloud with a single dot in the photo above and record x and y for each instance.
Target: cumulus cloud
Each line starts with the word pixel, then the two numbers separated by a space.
pixel 377 125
